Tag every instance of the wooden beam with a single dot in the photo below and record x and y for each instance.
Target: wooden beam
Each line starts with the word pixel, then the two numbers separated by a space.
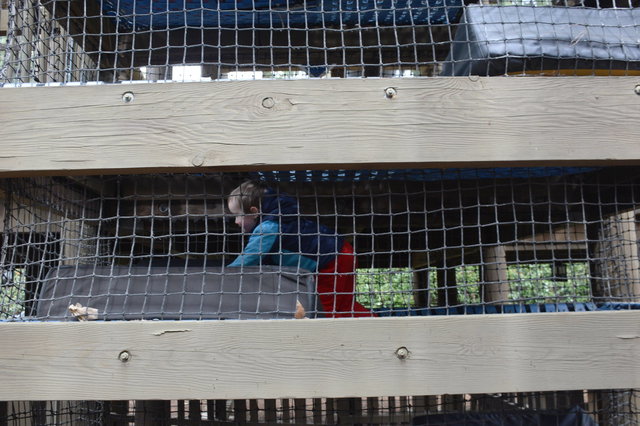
pixel 263 359
pixel 4 20
pixel 495 286
pixel 227 125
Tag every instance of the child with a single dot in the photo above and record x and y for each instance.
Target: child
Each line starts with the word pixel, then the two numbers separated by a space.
pixel 279 236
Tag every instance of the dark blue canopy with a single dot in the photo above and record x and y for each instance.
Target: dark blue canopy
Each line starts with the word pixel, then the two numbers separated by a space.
pixel 419 175
pixel 275 14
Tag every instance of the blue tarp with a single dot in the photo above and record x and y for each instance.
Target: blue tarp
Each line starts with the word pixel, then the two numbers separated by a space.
pixel 573 417
pixel 506 309
pixel 496 40
pixel 419 175
pixel 279 13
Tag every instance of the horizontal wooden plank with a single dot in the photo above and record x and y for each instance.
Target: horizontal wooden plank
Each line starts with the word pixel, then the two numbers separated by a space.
pixel 310 124
pixel 320 358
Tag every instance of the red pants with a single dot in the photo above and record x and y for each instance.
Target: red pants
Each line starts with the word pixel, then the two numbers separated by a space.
pixel 336 284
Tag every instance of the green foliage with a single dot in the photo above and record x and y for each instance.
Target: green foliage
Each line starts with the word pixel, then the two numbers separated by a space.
pixel 468 282
pixel 529 283
pixel 12 293
pixel 378 288
pixel 536 283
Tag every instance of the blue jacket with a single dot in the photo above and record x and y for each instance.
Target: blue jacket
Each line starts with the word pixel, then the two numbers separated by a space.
pixel 283 237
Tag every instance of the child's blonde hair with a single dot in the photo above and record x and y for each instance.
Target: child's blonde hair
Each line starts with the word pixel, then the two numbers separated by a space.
pixel 248 195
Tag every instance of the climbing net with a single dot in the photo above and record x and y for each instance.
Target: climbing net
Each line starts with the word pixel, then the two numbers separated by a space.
pixel 424 242
pixel 110 41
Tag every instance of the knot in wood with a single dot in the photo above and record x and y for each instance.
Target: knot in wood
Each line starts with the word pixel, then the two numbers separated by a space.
pixel 268 103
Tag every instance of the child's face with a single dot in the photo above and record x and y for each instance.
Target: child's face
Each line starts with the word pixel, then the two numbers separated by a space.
pixel 246 221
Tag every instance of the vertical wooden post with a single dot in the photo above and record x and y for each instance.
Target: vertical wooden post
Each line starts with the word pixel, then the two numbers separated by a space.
pixel 211 410
pixel 452 403
pixel 39 412
pixel 195 411
pixel 151 413
pixel 286 413
pixel 391 406
pixel 626 250
pixel 373 405
pixel 4 413
pixel 616 272
pixel 42 48
pixel 10 57
pixel 330 410
pixel 221 409
pixel 26 52
pixel 447 286
pixel 254 411
pixel 117 413
pixel 317 411
pixel 356 406
pixel 494 289
pixel 420 284
pixel 270 411
pixel 420 287
pixel 181 414
pixel 300 410
pixel 239 410
pixel 615 275
pixel 344 410
pixel 495 286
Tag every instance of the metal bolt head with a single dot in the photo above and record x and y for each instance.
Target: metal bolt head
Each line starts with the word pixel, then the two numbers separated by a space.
pixel 390 92
pixel 402 353
pixel 198 160
pixel 128 97
pixel 637 89
pixel 124 356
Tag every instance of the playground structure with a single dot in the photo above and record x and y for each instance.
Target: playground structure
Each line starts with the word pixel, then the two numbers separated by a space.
pixel 477 206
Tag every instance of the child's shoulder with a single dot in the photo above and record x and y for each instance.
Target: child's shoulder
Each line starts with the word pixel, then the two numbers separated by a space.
pixel 267 226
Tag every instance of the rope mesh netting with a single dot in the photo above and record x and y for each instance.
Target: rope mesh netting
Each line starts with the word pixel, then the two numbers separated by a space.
pixel 425 242
pixel 51 41
pixel 329 244
pixel 335 242
pixel 584 408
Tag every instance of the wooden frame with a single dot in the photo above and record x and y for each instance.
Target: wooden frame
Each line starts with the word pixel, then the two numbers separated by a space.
pixel 310 124
pixel 438 122
pixel 341 358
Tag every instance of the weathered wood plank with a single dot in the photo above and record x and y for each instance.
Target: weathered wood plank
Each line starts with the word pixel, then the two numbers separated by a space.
pixel 319 123
pixel 4 20
pixel 273 359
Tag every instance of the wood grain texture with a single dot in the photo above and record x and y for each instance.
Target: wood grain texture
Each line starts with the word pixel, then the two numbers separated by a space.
pixel 320 358
pixel 319 123
pixel 4 20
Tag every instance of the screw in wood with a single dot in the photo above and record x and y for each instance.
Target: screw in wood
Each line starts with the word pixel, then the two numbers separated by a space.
pixel 124 356
pixel 390 92
pixel 402 353
pixel 128 97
